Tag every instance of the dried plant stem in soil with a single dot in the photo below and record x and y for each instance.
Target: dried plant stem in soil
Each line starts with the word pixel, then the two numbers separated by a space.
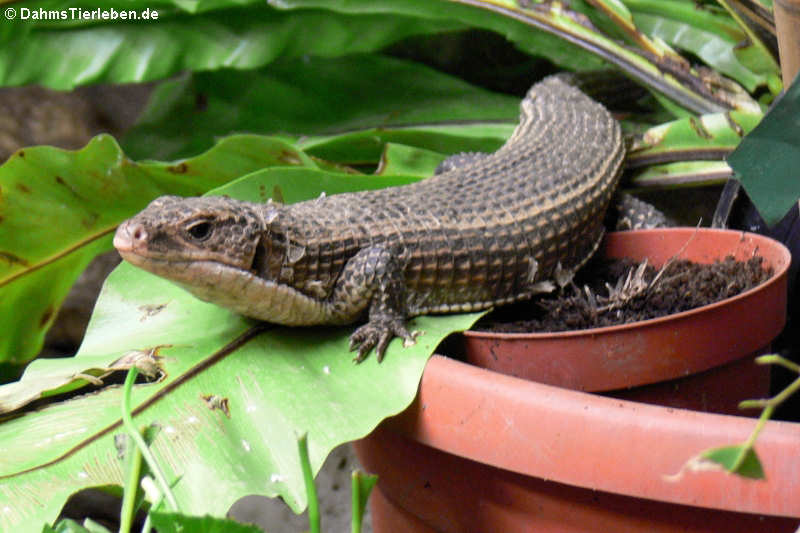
pixel 619 291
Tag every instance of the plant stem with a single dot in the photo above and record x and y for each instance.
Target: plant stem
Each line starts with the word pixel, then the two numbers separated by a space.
pixel 134 461
pixel 127 422
pixel 308 479
pixel 775 359
pixel 769 406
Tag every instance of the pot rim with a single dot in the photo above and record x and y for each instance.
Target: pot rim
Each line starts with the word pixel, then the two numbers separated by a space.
pixel 597 442
pixel 780 270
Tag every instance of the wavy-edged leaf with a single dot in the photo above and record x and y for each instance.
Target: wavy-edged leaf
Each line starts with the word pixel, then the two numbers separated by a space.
pixel 64 54
pixel 276 383
pixel 318 96
pixel 59 208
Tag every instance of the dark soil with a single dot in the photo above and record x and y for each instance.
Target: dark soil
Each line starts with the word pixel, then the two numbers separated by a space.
pixel 600 296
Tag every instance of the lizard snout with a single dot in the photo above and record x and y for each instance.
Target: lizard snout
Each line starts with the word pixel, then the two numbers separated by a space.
pixel 130 236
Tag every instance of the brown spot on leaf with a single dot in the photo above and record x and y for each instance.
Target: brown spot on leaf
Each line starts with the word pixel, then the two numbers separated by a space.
pixel 150 310
pixel 735 126
pixel 213 401
pixel 46 316
pixel 180 168
pixel 89 221
pixel 23 188
pixel 699 128
pixel 277 194
pixel 290 158
pixel 12 258
pixel 21 153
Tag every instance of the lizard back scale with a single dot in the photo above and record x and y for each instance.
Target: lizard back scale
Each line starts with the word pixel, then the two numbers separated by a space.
pixel 498 229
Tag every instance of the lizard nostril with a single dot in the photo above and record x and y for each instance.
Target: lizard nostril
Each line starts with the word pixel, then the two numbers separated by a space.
pixel 139 234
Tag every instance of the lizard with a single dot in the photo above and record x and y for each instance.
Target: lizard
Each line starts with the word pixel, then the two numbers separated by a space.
pixel 490 231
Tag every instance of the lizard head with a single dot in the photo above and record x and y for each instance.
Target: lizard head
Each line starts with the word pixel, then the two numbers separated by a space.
pixel 223 251
pixel 174 231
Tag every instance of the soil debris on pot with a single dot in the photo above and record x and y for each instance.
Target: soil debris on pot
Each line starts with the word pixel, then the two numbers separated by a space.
pixel 610 292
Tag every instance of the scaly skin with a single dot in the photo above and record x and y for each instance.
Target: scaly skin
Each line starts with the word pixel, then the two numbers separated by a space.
pixel 498 229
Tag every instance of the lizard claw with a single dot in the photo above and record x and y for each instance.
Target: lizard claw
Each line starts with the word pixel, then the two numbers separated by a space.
pixel 377 334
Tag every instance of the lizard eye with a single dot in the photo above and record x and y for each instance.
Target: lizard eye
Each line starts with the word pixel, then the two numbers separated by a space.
pixel 200 231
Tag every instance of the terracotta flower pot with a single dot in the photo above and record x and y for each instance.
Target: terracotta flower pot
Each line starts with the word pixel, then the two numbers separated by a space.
pixel 482 451
pixel 724 336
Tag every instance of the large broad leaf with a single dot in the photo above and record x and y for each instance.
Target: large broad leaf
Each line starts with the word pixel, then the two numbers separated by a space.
pixel 233 399
pixel 58 210
pixel 767 160
pixel 69 52
pixel 317 96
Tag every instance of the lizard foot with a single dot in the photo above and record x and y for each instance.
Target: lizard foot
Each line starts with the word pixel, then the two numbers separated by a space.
pixel 376 334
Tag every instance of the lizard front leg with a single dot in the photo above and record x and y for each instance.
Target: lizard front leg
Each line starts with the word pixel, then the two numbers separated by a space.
pixel 373 280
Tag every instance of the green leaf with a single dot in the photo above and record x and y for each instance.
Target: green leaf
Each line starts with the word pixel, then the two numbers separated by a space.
pixel 730 458
pixel 58 209
pixel 276 383
pixel 366 147
pixel 705 31
pixel 711 136
pixel 580 47
pixel 767 159
pixel 313 97
pixel 64 54
pixel 179 523
pixel 71 526
pixel 408 160
pixel 682 174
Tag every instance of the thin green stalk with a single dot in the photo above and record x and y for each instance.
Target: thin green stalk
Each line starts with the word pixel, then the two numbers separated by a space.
pixel 769 405
pixel 355 503
pixel 775 359
pixel 127 422
pixel 134 462
pixel 775 401
pixel 360 486
pixel 308 479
